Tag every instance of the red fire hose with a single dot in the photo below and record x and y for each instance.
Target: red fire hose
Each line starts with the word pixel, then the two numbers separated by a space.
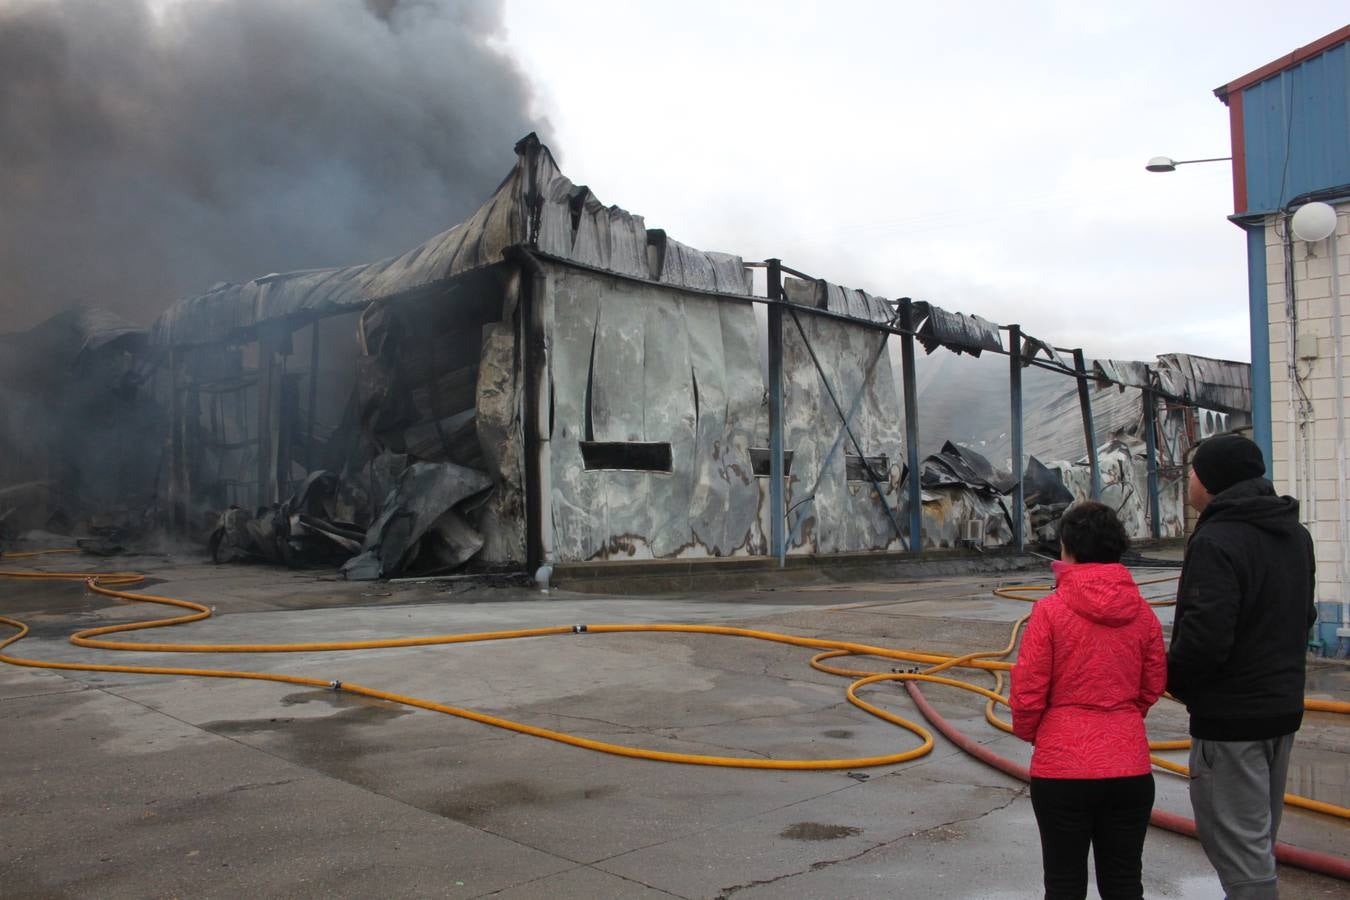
pixel 1321 863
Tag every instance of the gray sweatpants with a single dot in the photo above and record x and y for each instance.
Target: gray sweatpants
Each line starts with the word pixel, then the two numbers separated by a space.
pixel 1237 792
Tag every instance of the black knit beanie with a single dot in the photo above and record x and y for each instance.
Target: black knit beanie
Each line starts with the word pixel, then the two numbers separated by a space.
pixel 1221 462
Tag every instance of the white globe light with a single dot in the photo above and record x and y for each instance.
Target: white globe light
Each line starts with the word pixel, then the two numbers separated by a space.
pixel 1314 221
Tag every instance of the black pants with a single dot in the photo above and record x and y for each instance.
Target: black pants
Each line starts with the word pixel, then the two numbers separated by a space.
pixel 1111 814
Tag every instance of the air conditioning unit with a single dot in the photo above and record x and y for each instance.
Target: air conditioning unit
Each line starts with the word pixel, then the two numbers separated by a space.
pixel 972 531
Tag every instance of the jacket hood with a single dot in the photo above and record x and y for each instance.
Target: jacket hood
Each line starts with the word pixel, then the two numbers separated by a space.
pixel 1104 593
pixel 1253 501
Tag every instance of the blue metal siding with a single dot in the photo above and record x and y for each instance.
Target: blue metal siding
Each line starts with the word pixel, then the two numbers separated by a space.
pixel 1304 112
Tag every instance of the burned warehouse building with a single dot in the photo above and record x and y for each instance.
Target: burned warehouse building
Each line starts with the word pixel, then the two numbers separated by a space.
pixel 553 382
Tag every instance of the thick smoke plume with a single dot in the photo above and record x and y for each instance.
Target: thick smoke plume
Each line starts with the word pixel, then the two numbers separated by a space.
pixel 149 148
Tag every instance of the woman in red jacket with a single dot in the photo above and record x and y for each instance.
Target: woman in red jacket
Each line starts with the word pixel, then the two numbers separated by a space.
pixel 1091 664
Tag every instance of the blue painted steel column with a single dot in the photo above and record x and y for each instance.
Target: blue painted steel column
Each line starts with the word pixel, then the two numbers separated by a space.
pixel 1259 315
pixel 1089 430
pixel 777 504
pixel 1151 449
pixel 915 489
pixel 1019 470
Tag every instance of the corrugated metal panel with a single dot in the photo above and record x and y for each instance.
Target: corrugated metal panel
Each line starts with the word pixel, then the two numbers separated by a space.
pixel 1302 113
pixel 1208 383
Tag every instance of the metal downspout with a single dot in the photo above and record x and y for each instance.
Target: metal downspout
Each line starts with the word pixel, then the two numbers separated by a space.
pixel 1338 359
pixel 536 313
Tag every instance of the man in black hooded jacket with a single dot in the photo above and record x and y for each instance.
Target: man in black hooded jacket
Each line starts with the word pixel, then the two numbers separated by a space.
pixel 1238 657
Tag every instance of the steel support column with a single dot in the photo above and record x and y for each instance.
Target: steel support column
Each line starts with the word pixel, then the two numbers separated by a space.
pixel 312 442
pixel 1151 449
pixel 1015 394
pixel 177 509
pixel 1089 430
pixel 777 500
pixel 911 425
pixel 268 427
pixel 1259 315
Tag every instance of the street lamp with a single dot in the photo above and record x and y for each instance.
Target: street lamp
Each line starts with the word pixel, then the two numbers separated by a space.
pixel 1167 164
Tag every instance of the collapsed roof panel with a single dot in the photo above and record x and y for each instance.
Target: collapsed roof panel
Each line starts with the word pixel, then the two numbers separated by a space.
pixel 47 352
pixel 958 332
pixel 958 465
pixel 1122 373
pixel 1033 347
pixel 1216 384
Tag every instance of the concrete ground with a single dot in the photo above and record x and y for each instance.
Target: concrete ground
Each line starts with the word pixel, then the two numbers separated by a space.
pixel 122 785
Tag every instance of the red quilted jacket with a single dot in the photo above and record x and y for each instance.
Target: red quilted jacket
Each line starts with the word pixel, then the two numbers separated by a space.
pixel 1091 664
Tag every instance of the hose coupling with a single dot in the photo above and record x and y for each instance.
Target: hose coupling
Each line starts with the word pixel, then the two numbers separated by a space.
pixel 578 629
pixel 335 684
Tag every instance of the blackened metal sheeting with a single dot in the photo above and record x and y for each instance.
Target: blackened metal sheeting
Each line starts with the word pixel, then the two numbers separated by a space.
pixel 1032 347
pixel 1122 373
pixel 958 332
pixel 1044 486
pixel 1216 384
pixel 423 501
pixel 958 465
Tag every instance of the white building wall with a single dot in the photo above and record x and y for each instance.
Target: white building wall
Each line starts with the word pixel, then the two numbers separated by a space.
pixel 1307 459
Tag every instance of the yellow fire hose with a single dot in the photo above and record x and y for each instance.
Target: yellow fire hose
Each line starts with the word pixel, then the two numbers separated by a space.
pixel 106 583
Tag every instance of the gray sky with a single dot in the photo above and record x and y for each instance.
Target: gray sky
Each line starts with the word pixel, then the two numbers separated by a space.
pixel 988 157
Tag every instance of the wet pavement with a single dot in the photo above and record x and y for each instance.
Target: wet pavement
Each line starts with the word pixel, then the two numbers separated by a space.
pixel 130 785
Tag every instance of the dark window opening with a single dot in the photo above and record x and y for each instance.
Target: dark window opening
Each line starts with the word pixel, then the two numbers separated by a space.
pixel 759 461
pixel 638 456
pixel 866 468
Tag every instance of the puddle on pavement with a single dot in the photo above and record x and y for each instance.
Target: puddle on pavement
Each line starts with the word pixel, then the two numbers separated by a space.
pixel 340 700
pixel 1329 679
pixel 58 597
pixel 355 711
pixel 814 831
pixel 478 802
pixel 20 596
pixel 1320 774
